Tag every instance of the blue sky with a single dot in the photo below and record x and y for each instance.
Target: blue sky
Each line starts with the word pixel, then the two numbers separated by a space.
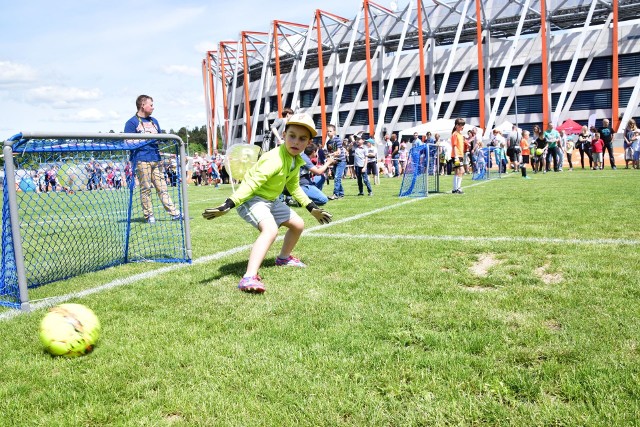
pixel 79 65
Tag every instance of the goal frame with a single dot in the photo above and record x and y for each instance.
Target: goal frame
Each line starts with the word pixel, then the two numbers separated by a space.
pixel 11 198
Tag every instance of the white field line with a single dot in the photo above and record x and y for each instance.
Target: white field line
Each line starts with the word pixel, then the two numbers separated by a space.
pixel 50 302
pixel 539 240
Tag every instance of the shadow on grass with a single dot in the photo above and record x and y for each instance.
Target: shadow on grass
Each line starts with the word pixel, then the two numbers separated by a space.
pixel 235 269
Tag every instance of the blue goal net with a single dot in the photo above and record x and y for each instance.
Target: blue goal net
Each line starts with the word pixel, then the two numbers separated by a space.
pixel 421 174
pixel 488 163
pixel 77 204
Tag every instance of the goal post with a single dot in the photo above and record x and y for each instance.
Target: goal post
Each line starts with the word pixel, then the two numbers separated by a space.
pixel 72 204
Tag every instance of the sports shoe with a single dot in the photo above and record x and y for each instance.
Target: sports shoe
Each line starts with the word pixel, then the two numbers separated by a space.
pixel 252 285
pixel 458 191
pixel 176 217
pixel 291 261
pixel 151 220
pixel 335 197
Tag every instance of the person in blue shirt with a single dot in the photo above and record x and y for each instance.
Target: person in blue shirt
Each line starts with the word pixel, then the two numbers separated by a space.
pixel 148 162
pixel 312 176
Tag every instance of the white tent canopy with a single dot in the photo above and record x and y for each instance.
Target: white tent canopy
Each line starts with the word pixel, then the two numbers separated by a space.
pixel 506 127
pixel 444 127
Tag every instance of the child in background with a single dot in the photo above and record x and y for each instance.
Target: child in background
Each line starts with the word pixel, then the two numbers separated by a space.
pixel 597 146
pixel 635 146
pixel 257 199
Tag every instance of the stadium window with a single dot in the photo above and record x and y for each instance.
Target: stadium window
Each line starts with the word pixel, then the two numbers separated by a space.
pixel 342 117
pixel 376 89
pixel 533 75
pixel 624 96
pixel 629 65
pixel 443 110
pixel 349 93
pixel 600 69
pixel 587 100
pixel 307 97
pixel 466 108
pixel 389 113
pixel 560 69
pixel 472 82
pixel 452 83
pixel 497 73
pixel 328 95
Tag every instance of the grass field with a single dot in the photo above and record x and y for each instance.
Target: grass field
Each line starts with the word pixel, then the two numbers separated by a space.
pixel 517 303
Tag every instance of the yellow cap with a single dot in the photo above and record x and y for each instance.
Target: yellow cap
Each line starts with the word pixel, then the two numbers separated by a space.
pixel 303 119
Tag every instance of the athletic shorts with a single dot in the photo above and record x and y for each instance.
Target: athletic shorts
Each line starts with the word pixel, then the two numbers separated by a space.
pixel 597 157
pixel 514 154
pixel 525 158
pixel 460 160
pixel 258 209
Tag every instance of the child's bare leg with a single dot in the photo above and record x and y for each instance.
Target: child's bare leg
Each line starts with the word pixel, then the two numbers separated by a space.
pixel 268 233
pixel 295 226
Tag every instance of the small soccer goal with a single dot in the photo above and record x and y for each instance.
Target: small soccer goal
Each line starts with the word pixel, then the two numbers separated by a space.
pixel 421 174
pixel 72 204
pixel 483 164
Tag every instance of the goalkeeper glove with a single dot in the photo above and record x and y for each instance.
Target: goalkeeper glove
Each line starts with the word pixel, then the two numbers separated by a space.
pixel 220 210
pixel 321 215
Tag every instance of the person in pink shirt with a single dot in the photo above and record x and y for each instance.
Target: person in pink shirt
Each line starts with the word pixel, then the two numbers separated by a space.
pixel 597 147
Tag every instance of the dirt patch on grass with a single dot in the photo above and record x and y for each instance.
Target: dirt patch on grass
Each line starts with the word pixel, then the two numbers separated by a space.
pixel 553 325
pixel 484 264
pixel 478 288
pixel 546 277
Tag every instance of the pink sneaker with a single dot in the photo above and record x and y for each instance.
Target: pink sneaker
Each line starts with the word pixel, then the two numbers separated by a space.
pixel 291 261
pixel 252 285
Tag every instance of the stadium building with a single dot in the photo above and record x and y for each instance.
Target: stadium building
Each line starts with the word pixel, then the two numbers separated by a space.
pixel 392 67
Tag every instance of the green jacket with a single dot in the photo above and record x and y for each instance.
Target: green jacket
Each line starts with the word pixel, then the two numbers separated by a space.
pixel 275 170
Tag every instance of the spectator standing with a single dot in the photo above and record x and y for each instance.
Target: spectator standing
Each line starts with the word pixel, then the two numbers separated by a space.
pixel 553 137
pixel 513 148
pixel 395 155
pixel 526 152
pixel 147 161
pixel 403 155
pixel 340 156
pixel 277 128
pixel 584 146
pixel 628 143
pixel 597 148
pixel 569 146
pixel 360 164
pixel 606 134
pixel 372 160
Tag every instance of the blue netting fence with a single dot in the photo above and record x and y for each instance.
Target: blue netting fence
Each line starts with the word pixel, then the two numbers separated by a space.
pixel 79 204
pixel 488 166
pixel 421 175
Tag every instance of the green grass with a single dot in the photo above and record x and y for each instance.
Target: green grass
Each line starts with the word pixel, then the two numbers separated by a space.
pixel 388 325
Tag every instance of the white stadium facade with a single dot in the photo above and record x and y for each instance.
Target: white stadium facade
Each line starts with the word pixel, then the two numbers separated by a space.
pixel 392 67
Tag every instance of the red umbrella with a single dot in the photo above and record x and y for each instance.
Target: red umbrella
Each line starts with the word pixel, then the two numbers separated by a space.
pixel 570 127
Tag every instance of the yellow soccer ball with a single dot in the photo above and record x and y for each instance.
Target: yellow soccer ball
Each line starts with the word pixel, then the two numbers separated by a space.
pixel 69 330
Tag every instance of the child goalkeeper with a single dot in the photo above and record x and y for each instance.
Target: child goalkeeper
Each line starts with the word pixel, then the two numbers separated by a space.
pixel 258 203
